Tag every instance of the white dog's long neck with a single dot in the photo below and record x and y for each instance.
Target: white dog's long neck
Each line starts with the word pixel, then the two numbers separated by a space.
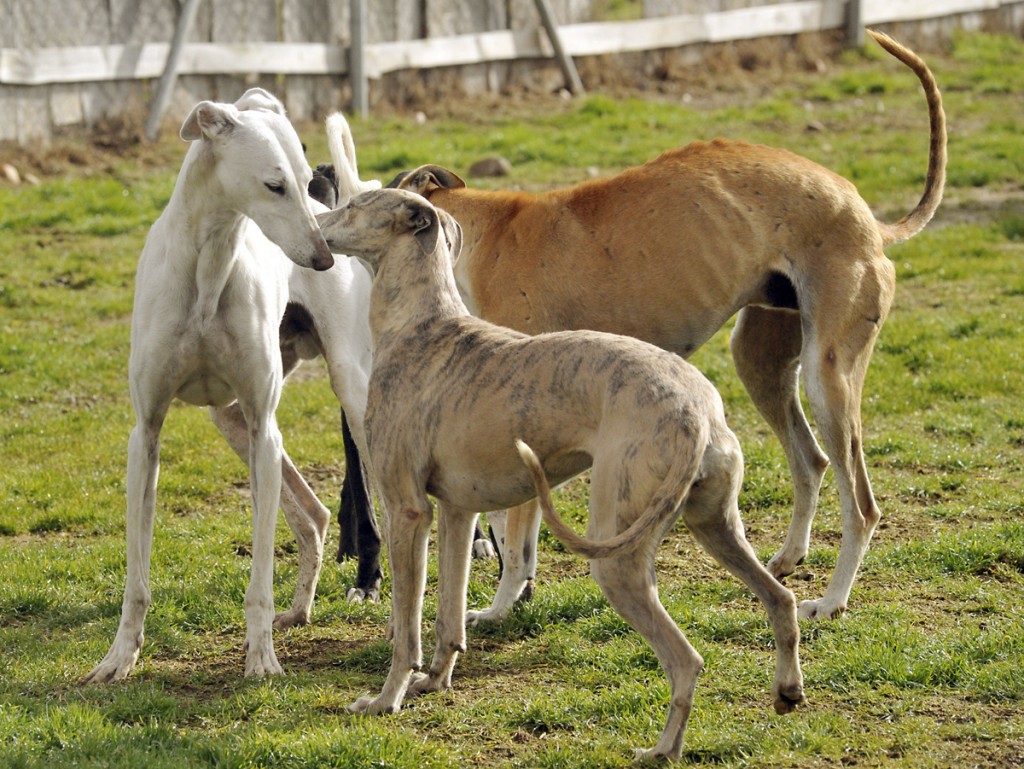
pixel 413 293
pixel 211 233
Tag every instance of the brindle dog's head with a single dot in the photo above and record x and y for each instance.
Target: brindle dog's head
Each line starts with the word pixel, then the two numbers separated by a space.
pixel 369 226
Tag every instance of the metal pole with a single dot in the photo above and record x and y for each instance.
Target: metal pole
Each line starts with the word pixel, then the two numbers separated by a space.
pixel 572 78
pixel 165 87
pixel 854 25
pixel 357 63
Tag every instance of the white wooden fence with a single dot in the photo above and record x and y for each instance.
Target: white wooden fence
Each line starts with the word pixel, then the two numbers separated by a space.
pixel 301 49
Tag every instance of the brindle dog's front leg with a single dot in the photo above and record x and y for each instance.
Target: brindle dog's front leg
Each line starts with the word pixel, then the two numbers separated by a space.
pixel 407 532
pixel 456 529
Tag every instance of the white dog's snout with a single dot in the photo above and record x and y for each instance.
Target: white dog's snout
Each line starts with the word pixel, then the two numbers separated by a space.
pixel 323 259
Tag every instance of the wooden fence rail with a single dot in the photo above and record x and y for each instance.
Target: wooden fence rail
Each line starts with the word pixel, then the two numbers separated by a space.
pixel 29 67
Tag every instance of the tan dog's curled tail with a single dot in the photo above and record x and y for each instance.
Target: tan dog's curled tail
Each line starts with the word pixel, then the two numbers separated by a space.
pixel 935 181
pixel 664 504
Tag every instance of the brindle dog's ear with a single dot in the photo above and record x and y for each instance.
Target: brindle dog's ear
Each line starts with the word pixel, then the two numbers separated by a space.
pixel 425 179
pixel 452 233
pixel 423 223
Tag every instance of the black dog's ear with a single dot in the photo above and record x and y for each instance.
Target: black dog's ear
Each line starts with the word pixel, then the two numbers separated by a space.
pixel 327 170
pixel 323 189
pixel 423 223
pixel 398 181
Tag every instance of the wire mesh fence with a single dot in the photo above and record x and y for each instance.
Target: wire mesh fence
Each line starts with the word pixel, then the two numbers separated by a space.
pixel 66 63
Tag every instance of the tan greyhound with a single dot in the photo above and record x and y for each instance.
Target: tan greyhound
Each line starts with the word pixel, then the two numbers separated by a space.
pixel 668 252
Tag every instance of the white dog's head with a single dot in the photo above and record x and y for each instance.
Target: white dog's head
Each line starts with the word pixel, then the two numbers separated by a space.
pixel 257 160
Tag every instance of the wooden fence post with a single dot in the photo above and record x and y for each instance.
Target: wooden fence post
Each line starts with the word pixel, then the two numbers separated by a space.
pixel 572 78
pixel 854 24
pixel 165 87
pixel 356 65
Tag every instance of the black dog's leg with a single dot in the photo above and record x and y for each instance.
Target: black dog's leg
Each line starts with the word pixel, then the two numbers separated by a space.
pixel 360 536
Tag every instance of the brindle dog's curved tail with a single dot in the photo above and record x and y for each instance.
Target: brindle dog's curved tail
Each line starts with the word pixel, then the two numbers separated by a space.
pixel 914 222
pixel 663 505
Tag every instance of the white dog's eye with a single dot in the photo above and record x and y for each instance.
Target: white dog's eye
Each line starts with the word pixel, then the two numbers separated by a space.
pixel 276 187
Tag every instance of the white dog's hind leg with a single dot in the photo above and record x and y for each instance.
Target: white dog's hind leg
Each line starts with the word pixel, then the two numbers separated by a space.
pixel 265 479
pixel 143 469
pixel 519 560
pixel 306 515
pixel 455 531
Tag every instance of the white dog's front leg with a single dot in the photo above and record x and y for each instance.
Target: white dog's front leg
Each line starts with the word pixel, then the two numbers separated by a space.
pixel 307 517
pixel 143 468
pixel 265 481
pixel 519 561
pixel 407 537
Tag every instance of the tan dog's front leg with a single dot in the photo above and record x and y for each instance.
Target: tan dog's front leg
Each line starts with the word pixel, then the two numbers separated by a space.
pixel 519 561
pixel 455 529
pixel 407 537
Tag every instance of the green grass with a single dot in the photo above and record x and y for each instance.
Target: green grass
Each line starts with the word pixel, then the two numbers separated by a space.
pixel 924 671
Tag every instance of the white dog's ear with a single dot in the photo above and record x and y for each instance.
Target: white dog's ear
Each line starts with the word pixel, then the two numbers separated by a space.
pixel 208 119
pixel 423 223
pixel 257 98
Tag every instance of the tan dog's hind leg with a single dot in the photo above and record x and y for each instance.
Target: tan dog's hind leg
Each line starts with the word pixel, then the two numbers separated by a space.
pixel 835 360
pixel 518 558
pixel 455 530
pixel 408 530
pixel 765 346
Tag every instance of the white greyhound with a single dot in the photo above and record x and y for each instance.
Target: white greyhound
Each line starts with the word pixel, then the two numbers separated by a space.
pixel 211 290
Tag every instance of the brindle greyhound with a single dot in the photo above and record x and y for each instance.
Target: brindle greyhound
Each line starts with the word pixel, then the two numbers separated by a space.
pixel 449 397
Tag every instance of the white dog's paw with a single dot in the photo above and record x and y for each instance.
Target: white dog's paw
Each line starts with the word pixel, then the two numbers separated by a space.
pixel 649 756
pixel 368 706
pixel 294 617
pixel 484 617
pixel 110 670
pixel 820 609
pixel 118 663
pixel 260 663
pixel 424 683
pixel 784 562
pixel 483 549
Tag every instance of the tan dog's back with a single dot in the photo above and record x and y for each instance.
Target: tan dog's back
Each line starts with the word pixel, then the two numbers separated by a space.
pixel 730 214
